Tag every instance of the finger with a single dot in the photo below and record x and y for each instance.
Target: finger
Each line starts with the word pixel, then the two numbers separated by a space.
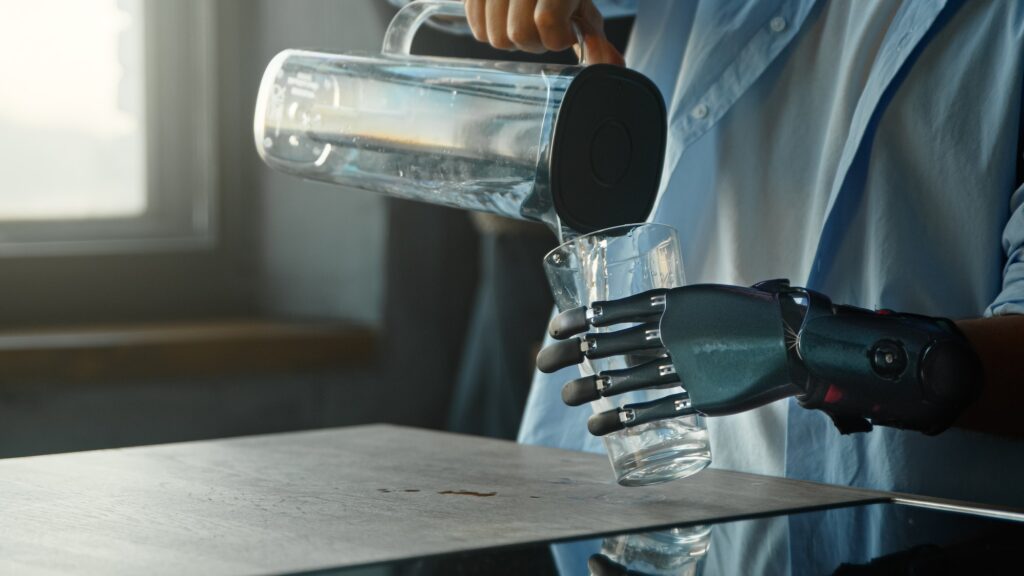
pixel 560 355
pixel 641 337
pixel 590 18
pixel 497 24
pixel 554 23
pixel 658 373
pixel 599 49
pixel 644 307
pixel 569 323
pixel 522 30
pixel 600 345
pixel 636 414
pixel 613 56
pixel 477 19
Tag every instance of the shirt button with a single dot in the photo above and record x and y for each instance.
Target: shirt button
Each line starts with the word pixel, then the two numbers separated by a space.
pixel 699 111
pixel 778 24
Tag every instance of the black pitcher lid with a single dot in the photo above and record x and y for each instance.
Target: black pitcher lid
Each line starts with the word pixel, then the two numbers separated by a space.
pixel 608 149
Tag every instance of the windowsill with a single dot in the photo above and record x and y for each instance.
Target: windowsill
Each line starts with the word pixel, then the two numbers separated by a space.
pixel 193 349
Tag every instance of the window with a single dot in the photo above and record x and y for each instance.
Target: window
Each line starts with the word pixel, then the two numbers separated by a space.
pixel 106 126
pixel 126 187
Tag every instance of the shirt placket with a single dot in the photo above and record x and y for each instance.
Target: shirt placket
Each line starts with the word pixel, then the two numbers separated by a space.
pixel 697 111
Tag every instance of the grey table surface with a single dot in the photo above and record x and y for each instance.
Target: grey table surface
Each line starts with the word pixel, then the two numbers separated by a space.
pixel 303 501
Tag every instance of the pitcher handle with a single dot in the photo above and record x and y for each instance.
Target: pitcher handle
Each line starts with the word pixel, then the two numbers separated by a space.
pixel 405 24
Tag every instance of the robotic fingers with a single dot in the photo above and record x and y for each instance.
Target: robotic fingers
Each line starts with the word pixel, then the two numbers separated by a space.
pixel 734 348
pixel 645 308
pixel 657 373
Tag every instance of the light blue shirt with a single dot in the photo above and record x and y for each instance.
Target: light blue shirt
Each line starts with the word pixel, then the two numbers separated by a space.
pixel 900 178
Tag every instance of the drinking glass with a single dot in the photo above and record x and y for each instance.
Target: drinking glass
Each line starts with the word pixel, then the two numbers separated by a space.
pixel 615 263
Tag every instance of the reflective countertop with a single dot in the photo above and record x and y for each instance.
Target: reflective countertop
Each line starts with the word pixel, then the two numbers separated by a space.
pixel 368 497
pixel 866 539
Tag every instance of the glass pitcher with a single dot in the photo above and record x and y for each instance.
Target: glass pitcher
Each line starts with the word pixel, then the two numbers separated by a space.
pixel 577 147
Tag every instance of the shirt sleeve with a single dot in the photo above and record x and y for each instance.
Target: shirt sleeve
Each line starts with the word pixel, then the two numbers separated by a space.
pixel 1011 299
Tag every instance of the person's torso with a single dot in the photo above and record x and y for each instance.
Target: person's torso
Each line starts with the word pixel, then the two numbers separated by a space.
pixel 880 193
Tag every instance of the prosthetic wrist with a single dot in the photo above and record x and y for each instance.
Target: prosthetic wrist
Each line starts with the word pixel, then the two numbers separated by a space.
pixel 881 367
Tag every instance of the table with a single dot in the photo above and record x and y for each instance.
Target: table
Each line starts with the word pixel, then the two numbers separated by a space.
pixel 294 502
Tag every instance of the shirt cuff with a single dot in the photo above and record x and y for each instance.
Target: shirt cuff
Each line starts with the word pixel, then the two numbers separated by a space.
pixel 1011 299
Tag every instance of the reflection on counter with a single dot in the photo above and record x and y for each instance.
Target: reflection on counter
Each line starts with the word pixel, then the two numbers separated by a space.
pixel 870 539
pixel 859 540
pixel 675 552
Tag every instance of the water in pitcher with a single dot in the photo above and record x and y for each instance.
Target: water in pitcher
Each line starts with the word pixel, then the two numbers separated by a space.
pixel 469 137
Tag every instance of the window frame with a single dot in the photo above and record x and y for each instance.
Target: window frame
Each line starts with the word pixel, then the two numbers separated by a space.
pixel 165 275
pixel 180 155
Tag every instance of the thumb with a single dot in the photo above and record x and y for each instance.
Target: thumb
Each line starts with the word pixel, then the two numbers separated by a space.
pixel 598 49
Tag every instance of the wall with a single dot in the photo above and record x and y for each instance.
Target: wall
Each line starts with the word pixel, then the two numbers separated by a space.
pixel 323 247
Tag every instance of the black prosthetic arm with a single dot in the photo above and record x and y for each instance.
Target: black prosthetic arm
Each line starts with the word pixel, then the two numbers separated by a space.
pixel 732 349
pixel 867 367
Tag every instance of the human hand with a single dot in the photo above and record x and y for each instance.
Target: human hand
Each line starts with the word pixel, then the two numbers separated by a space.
pixel 537 26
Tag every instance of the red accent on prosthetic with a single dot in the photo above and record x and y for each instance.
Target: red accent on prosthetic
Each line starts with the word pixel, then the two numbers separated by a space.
pixel 833 395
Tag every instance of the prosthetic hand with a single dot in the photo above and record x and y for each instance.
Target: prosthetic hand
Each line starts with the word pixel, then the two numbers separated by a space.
pixel 733 349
